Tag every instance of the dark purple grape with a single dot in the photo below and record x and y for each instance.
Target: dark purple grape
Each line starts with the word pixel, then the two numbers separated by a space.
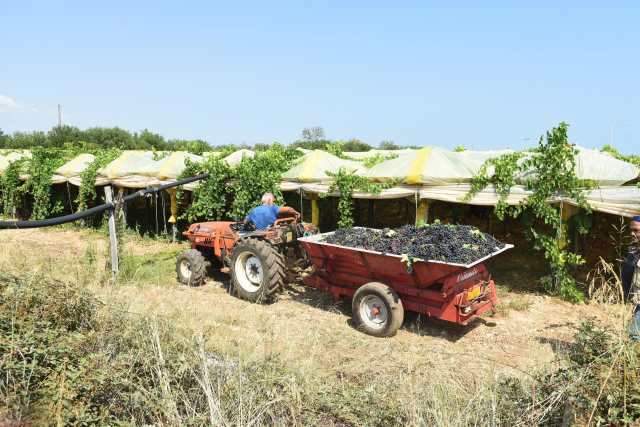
pixel 461 244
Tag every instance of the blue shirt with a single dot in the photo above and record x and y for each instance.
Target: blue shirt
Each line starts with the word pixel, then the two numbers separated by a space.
pixel 263 216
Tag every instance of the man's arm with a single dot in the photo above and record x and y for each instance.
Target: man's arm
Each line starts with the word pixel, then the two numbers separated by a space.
pixel 248 217
pixel 288 210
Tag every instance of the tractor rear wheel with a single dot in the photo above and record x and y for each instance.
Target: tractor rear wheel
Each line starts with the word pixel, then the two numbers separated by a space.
pixel 191 267
pixel 377 310
pixel 257 270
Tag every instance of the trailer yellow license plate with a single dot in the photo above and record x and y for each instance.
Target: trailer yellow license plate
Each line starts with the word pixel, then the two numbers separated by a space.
pixel 473 293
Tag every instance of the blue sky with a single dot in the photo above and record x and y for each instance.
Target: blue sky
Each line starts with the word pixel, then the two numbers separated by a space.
pixel 479 74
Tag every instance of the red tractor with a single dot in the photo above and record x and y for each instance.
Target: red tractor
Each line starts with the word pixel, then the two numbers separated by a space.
pixel 256 259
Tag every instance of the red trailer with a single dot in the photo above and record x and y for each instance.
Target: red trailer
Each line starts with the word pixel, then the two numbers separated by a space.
pixel 383 286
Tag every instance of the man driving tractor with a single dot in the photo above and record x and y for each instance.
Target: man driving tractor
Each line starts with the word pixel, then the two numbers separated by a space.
pixel 255 259
pixel 265 215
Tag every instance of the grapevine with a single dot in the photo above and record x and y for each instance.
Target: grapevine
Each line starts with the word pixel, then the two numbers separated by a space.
pixel 10 188
pixel 346 182
pixel 87 190
pixel 504 177
pixel 209 199
pixel 552 171
pixel 258 175
pixel 230 192
pixel 40 169
pixel 371 161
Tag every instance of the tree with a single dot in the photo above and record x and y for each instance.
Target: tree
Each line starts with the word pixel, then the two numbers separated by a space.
pixel 150 140
pixel 58 136
pixel 313 134
pixel 312 145
pixel 24 140
pixel 261 147
pixel 388 145
pixel 5 140
pixel 355 145
pixel 109 138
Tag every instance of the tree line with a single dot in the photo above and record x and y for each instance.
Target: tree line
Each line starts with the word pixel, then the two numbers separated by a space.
pixel 99 138
pixel 114 137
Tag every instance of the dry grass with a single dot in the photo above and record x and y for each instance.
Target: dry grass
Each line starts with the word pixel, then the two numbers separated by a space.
pixel 430 373
pixel 604 283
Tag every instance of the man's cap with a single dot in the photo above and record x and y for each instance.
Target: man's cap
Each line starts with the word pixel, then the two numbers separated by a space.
pixel 636 218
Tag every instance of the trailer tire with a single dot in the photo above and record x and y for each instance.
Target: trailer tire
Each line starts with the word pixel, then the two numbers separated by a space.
pixel 191 267
pixel 257 270
pixel 377 310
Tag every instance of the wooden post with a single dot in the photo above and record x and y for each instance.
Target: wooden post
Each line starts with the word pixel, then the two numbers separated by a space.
pixel 567 211
pixel 113 240
pixel 173 219
pixel 122 215
pixel 315 210
pixel 423 211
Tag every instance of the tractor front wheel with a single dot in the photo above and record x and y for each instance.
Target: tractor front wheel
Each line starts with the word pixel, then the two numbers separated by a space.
pixel 257 270
pixel 191 267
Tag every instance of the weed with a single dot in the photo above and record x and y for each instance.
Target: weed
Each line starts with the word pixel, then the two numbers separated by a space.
pixel 67 361
pixel 517 303
pixel 604 283
pixel 148 268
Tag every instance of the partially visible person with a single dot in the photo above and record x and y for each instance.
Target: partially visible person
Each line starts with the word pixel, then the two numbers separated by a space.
pixel 265 215
pixel 631 277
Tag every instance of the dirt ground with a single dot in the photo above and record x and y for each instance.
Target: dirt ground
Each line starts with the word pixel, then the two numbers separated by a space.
pixel 305 327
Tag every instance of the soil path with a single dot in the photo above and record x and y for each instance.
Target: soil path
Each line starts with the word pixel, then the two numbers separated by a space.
pixel 305 327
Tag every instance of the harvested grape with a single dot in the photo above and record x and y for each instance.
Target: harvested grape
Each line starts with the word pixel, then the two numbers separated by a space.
pixel 460 244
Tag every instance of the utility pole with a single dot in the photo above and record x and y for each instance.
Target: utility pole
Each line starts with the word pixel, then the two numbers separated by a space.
pixel 59 115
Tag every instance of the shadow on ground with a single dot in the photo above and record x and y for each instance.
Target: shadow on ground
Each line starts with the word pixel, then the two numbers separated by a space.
pixel 413 322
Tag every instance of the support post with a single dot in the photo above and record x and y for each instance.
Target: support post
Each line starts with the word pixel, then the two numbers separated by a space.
pixel 371 214
pixel 113 240
pixel 422 214
pixel 173 219
pixel 567 211
pixel 122 215
pixel 315 211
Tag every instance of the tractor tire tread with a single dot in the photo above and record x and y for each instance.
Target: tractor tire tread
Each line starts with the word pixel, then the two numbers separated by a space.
pixel 274 267
pixel 199 265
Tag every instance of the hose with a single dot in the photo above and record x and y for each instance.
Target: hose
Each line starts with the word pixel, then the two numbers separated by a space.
pixel 97 209
pixel 152 190
pixel 58 220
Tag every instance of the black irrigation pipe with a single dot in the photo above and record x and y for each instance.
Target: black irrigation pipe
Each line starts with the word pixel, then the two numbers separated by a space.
pixel 153 190
pixel 56 221
pixel 97 209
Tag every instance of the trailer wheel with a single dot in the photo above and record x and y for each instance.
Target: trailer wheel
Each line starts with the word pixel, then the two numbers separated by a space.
pixel 257 270
pixel 191 267
pixel 377 310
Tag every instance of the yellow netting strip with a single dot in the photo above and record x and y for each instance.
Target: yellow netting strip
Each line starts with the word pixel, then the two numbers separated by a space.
pixel 309 166
pixel 417 166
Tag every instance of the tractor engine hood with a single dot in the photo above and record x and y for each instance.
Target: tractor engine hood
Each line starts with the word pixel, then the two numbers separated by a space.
pixel 209 228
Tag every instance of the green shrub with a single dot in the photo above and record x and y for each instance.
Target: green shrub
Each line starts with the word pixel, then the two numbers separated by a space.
pixel 66 361
pixel 599 384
